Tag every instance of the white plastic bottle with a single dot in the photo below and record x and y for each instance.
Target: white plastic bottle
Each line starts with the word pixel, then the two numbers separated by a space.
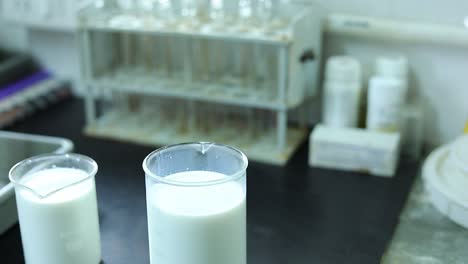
pixel 393 66
pixel 386 98
pixel 342 92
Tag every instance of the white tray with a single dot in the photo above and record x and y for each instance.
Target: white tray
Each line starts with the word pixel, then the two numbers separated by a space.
pixel 448 200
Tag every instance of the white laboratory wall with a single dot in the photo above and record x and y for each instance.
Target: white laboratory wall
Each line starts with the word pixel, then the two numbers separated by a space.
pixel 45 28
pixel 12 37
pixel 439 73
pixel 57 50
pixel 434 11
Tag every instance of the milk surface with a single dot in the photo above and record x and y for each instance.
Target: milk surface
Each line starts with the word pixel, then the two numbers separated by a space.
pixel 197 225
pixel 62 226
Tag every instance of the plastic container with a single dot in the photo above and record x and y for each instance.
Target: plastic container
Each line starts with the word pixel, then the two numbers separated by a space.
pixel 196 201
pixel 57 209
pixel 341 104
pixel 343 69
pixel 342 92
pixel 386 97
pixel 392 66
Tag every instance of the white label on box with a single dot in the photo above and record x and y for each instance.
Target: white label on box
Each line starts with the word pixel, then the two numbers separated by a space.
pixel 349 156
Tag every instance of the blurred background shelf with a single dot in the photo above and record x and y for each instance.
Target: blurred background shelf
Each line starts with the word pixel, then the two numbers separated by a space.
pixel 194 69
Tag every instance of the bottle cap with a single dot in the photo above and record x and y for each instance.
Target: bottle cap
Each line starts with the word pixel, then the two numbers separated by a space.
pixel 343 68
pixel 387 88
pixel 392 66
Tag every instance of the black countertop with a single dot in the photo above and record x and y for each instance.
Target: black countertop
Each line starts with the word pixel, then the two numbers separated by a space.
pixel 296 214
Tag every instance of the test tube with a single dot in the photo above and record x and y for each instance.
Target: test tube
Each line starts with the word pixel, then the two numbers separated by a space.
pixel 130 10
pixel 244 125
pixel 158 112
pixel 195 59
pixel 165 12
pixel 104 5
pixel 187 62
pixel 231 13
pixel 148 11
pixel 200 123
pixel 208 118
pixel 232 67
pixel 99 4
pixel 192 118
pixel 188 12
pixel 204 62
pixel 245 8
pixel 282 14
pixel 217 12
pixel 148 53
pixel 146 6
pixel 264 13
pixel 138 54
pixel 268 122
pixel 260 67
pixel 249 66
pixel 126 50
pixel 180 60
pixel 229 128
pixel 184 117
pixel 177 116
pixel 160 56
pixel 195 124
pixel 122 102
pixel 251 131
pixel 271 87
pixel 104 8
pixel 168 65
pixel 218 123
pixel 127 5
pixel 216 60
pixel 258 125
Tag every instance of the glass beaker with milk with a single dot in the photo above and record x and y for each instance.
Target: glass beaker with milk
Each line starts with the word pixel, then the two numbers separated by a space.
pixel 196 202
pixel 57 209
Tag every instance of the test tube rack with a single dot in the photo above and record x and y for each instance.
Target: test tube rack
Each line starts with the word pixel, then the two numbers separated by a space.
pixel 164 85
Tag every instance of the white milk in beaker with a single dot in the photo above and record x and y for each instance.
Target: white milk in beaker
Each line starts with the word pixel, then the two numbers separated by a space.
pixel 59 227
pixel 197 225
